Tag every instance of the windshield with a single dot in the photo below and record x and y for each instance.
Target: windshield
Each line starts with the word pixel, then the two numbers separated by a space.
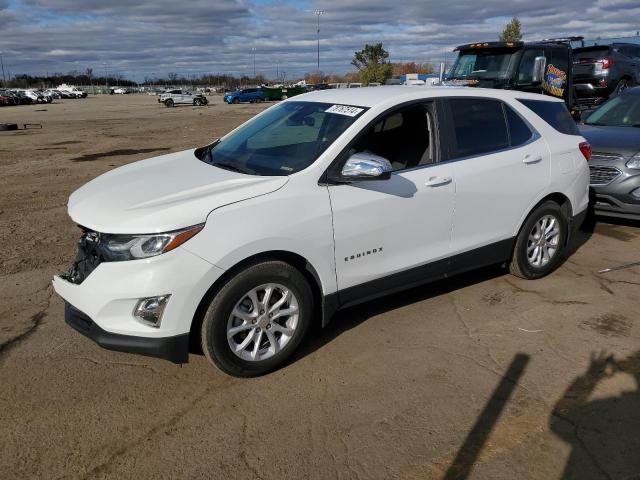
pixel 493 63
pixel 285 139
pixel 621 111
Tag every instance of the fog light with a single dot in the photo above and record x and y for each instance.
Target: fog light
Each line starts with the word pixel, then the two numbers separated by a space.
pixel 636 193
pixel 149 310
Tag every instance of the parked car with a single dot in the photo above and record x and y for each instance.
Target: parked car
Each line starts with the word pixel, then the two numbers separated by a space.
pixel 69 91
pixel 323 201
pixel 182 97
pixel 600 71
pixel 12 98
pixel 614 133
pixel 251 95
pixel 23 97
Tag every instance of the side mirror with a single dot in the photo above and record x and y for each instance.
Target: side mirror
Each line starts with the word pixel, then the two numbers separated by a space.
pixel 366 166
pixel 539 65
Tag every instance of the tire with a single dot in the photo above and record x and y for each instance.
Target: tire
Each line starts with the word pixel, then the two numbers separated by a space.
pixel 196 102
pixel 259 100
pixel 528 260
pixel 622 85
pixel 234 297
pixel 168 103
pixel 6 127
pixel 236 101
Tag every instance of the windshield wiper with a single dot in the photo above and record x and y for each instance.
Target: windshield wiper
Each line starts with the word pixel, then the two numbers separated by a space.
pixel 233 168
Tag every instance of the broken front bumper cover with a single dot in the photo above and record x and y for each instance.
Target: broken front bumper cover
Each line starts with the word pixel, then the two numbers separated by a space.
pixel 175 349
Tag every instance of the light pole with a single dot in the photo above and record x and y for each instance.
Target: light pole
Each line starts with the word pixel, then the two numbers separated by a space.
pixel 253 49
pixel 4 80
pixel 318 13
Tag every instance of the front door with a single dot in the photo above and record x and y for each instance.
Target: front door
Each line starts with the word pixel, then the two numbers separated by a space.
pixel 386 231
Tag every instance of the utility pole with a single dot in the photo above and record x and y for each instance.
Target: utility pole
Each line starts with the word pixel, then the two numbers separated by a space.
pixel 318 13
pixel 253 49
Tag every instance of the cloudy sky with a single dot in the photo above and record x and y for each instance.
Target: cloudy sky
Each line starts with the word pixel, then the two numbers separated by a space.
pixel 138 38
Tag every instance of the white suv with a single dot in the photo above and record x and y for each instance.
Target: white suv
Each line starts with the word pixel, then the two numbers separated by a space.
pixel 320 202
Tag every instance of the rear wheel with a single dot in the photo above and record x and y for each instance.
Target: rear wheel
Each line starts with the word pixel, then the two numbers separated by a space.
pixel 169 103
pixel 196 102
pixel 257 319
pixel 541 242
pixel 259 100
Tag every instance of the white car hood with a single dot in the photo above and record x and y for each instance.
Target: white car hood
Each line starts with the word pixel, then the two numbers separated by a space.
pixel 162 194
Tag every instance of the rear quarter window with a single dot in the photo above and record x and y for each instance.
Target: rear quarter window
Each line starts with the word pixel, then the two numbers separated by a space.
pixel 554 113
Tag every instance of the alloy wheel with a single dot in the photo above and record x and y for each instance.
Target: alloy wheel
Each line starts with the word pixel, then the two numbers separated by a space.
pixel 543 241
pixel 262 322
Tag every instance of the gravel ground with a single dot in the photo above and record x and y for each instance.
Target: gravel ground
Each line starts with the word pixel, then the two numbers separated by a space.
pixel 484 376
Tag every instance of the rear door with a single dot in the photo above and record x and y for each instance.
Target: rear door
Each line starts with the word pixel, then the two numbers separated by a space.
pixel 500 165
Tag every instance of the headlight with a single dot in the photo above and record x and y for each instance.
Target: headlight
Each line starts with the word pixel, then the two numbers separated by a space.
pixel 634 162
pixel 133 247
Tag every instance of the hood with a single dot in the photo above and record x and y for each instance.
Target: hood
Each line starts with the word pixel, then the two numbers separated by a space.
pixel 620 140
pixel 162 194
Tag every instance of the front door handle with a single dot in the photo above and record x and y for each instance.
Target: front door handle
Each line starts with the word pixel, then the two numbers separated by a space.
pixel 531 159
pixel 437 181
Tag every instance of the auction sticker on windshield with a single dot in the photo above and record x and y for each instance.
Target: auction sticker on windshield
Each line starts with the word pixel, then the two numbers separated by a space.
pixel 344 110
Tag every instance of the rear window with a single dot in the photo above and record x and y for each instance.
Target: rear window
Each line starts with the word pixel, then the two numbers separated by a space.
pixel 590 54
pixel 554 113
pixel 519 132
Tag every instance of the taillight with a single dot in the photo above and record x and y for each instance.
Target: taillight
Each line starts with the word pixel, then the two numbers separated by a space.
pixel 607 62
pixel 585 148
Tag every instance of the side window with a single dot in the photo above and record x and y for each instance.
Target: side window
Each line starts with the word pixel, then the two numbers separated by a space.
pixel 519 132
pixel 525 70
pixel 560 59
pixel 554 113
pixel 404 137
pixel 479 126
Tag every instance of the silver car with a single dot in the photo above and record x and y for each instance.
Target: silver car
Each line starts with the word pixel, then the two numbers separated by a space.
pixel 182 97
pixel 613 130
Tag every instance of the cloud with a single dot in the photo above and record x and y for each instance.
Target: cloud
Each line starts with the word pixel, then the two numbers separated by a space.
pixel 152 38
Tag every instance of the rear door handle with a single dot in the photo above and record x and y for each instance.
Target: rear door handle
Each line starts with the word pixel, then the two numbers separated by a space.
pixel 437 181
pixel 531 159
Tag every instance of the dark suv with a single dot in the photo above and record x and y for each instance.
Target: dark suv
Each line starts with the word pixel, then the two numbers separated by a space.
pixel 603 70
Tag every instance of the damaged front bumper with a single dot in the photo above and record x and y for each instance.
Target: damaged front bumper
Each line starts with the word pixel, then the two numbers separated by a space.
pixel 102 305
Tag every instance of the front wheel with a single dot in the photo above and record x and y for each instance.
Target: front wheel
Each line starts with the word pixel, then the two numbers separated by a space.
pixel 540 243
pixel 257 319
pixel 168 103
pixel 236 101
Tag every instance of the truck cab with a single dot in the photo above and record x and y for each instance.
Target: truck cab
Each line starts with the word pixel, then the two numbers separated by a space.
pixel 537 67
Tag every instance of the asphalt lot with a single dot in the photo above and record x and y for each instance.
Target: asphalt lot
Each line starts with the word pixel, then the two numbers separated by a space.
pixel 485 376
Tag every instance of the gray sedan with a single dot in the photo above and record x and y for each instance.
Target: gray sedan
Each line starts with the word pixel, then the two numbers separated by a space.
pixel 613 130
